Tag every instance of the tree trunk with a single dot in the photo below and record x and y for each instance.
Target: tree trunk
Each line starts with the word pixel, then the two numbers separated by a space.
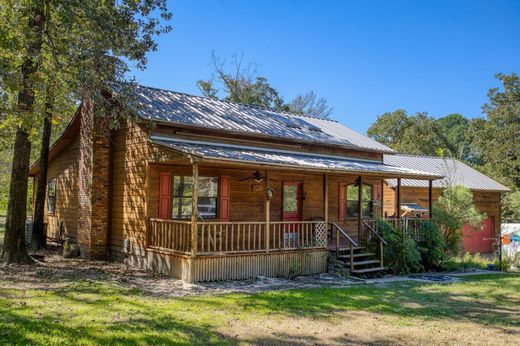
pixel 38 236
pixel 14 250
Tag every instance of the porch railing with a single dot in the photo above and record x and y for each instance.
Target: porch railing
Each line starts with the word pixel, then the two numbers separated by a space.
pixel 236 237
pixel 414 227
pixel 242 237
pixel 169 235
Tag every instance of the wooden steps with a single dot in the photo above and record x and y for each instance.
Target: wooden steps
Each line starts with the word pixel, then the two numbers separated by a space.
pixel 355 248
pixel 364 263
pixel 368 270
pixel 356 255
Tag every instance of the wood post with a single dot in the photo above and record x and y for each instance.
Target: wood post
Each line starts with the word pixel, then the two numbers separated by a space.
pixel 194 208
pixel 326 200
pixel 351 258
pixel 267 212
pixel 430 198
pixel 382 201
pixel 360 204
pixel 398 199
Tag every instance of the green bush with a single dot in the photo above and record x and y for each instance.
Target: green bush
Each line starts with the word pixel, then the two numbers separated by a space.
pixel 401 253
pixel 468 261
pixel 451 211
pixel 432 246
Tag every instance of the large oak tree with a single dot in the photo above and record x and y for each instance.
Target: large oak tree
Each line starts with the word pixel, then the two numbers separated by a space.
pixel 90 44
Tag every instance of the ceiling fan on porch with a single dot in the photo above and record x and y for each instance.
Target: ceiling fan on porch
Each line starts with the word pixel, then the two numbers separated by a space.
pixel 257 177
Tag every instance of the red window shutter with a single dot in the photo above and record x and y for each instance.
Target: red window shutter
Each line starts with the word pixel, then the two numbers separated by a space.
pixel 165 182
pixel 341 202
pixel 224 198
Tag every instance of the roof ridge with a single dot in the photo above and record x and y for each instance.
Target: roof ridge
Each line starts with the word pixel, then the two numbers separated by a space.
pixel 236 103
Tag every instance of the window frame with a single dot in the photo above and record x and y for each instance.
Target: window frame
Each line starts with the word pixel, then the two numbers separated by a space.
pixel 51 211
pixel 190 197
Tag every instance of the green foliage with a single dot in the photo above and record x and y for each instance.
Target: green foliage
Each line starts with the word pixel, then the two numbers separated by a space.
pixel 401 253
pixel 432 246
pixel 451 211
pixel 421 134
pixel 498 138
pixel 511 207
pixel 490 145
pixel 86 48
pixel 466 262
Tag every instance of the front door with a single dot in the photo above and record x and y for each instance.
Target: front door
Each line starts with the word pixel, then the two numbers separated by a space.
pixel 292 201
pixel 479 241
pixel 292 204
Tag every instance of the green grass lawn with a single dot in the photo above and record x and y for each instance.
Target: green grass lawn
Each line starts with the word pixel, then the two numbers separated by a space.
pixel 485 309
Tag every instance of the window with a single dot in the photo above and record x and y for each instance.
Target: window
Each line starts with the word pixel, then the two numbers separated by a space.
pixel 352 200
pixel 182 194
pixel 290 198
pixel 51 196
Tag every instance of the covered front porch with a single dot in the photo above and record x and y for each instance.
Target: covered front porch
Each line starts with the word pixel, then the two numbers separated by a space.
pixel 216 219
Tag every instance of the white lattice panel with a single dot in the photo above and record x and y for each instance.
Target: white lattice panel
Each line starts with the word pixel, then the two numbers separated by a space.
pixel 320 234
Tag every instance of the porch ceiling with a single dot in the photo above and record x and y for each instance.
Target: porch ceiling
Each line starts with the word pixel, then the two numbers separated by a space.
pixel 285 158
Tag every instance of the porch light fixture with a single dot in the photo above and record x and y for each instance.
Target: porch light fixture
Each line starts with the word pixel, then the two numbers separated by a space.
pixel 269 191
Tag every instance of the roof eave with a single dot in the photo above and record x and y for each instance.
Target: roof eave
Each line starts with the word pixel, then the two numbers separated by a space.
pixel 310 168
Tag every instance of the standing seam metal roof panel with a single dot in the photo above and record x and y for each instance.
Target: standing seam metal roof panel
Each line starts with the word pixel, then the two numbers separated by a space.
pixel 178 108
pixel 270 156
pixel 456 172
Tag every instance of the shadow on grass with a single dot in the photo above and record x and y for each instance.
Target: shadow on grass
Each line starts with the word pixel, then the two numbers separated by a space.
pixel 96 314
pixel 93 312
pixel 481 301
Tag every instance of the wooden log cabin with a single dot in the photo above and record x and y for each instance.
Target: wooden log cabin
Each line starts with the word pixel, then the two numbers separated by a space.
pixel 203 189
pixel 415 198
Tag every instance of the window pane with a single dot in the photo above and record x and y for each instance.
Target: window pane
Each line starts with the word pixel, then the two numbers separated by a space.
pixel 352 193
pixel 368 208
pixel 51 188
pixel 352 208
pixel 208 186
pixel 352 201
pixel 181 208
pixel 182 186
pixel 367 193
pixel 51 204
pixel 207 207
pixel 290 198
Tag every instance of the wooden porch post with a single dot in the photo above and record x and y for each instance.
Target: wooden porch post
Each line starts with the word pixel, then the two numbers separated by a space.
pixel 430 198
pixel 398 199
pixel 360 204
pixel 326 200
pixel 267 212
pixel 194 208
pixel 382 211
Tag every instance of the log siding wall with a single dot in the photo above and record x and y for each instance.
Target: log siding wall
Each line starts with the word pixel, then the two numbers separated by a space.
pixel 64 169
pixel 485 201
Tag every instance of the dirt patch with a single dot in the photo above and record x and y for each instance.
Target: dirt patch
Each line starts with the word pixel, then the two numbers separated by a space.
pixel 57 271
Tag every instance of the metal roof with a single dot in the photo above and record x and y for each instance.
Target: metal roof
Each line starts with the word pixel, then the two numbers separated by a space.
pixel 413 207
pixel 456 173
pixel 285 158
pixel 173 107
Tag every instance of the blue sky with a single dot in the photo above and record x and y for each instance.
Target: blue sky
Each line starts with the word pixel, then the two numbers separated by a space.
pixel 365 57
